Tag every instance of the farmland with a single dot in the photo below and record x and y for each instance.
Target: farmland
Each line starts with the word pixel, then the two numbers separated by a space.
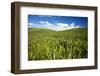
pixel 46 44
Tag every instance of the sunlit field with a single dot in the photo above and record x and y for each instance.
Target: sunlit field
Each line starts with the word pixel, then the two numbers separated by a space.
pixel 46 44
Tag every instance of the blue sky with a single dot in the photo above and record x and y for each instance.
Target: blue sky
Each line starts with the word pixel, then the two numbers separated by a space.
pixel 56 22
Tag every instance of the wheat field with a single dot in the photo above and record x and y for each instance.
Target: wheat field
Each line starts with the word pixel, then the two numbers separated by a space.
pixel 45 44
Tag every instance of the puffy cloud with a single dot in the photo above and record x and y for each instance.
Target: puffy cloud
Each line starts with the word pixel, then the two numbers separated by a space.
pixel 63 25
pixel 30 24
pixel 77 26
pixel 48 23
pixel 45 23
pixel 56 26
pixel 72 24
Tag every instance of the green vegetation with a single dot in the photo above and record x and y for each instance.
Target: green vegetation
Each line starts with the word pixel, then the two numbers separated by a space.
pixel 45 44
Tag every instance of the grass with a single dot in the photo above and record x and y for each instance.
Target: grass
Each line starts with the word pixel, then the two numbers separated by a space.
pixel 45 44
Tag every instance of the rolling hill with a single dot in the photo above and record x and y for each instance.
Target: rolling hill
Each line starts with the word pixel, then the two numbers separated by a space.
pixel 46 44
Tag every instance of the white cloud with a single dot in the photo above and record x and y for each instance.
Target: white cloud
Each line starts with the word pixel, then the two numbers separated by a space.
pixel 56 27
pixel 77 26
pixel 42 22
pixel 31 24
pixel 63 25
pixel 45 23
pixel 48 23
pixel 72 24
